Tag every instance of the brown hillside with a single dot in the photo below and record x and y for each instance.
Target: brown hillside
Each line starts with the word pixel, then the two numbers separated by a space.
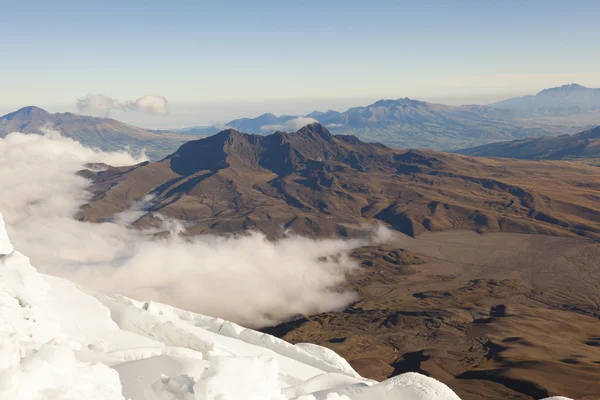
pixel 505 315
pixel 319 184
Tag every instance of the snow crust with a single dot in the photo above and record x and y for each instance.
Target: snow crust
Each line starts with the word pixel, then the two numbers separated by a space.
pixel 60 341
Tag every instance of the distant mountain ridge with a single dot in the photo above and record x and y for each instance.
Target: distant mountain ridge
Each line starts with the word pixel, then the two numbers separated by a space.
pixel 563 100
pixel 414 122
pixel 401 123
pixel 254 125
pixel 408 123
pixel 103 133
pixel 584 145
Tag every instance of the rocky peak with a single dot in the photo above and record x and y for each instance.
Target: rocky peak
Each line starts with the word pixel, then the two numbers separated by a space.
pixel 29 112
pixel 316 130
pixel 565 89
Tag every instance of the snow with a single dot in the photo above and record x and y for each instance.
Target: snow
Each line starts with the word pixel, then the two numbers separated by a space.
pixel 60 341
pixel 557 398
pixel 255 377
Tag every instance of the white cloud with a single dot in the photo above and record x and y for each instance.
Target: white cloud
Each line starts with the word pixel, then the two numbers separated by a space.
pixel 153 105
pixel 97 104
pixel 335 126
pixel 248 278
pixel 290 125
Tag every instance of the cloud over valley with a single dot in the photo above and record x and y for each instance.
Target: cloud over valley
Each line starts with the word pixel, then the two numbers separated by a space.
pixel 245 278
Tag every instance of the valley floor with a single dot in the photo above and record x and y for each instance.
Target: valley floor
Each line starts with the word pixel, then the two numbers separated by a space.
pixel 494 316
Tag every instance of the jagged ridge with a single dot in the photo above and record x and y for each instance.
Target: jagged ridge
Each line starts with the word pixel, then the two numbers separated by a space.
pixel 320 184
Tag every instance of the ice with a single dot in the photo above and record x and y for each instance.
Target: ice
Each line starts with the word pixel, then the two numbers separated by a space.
pixel 406 386
pixel 325 382
pixel 178 388
pixel 140 376
pixel 60 341
pixel 52 372
pixel 256 378
pixel 557 398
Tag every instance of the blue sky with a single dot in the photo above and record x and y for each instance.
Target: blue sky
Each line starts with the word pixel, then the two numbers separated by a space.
pixel 240 52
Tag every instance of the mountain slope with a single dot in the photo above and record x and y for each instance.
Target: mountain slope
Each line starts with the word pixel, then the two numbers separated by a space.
pixel 104 133
pixel 584 145
pixel 318 184
pixel 565 100
pixel 465 308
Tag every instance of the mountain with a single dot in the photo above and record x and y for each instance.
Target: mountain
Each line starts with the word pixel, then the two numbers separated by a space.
pixel 401 123
pixel 584 145
pixel 316 183
pixel 565 100
pixel 104 133
pixel 259 124
pixel 204 130
pixel 411 123
pixel 495 251
pixel 61 341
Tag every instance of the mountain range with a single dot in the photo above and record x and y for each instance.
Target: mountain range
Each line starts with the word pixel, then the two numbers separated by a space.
pixel 315 183
pixel 582 146
pixel 566 100
pixel 403 123
pixel 105 133
pixel 493 252
pixel 409 123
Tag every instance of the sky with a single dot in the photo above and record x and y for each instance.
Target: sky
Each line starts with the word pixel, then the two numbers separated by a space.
pixel 218 60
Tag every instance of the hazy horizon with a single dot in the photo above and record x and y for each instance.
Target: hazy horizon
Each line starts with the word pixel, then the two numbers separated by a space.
pixel 213 63
pixel 188 114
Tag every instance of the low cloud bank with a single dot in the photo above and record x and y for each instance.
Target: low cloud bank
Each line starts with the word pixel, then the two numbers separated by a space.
pixel 97 104
pixel 244 278
pixel 291 125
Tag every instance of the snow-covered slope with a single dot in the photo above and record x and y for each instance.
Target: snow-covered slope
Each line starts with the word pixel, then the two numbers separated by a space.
pixel 61 341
